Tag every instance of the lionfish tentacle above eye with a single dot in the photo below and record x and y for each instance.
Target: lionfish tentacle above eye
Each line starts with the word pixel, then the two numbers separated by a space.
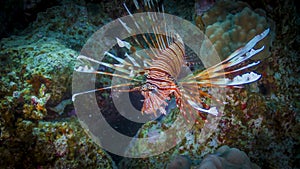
pixel 161 64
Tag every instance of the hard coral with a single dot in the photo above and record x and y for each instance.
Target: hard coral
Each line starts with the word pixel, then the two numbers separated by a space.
pixel 229 25
pixel 227 158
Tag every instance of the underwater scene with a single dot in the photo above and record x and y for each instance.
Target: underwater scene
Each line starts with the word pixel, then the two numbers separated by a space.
pixel 194 84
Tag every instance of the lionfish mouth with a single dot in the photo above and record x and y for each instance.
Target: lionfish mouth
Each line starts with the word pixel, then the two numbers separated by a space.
pixel 153 62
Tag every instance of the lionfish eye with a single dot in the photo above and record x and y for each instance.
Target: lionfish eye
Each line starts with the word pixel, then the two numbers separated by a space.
pixel 144 87
pixel 151 87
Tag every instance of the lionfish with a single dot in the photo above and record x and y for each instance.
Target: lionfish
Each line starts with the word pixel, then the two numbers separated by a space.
pixel 162 66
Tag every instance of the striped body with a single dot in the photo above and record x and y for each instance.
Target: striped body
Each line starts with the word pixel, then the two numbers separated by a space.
pixel 160 82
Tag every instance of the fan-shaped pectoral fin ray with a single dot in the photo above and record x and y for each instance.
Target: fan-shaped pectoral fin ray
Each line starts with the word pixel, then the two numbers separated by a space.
pixel 235 82
pixel 222 74
pixel 235 58
pixel 92 71
pixel 211 110
pixel 101 89
pixel 205 94
pixel 248 47
pixel 127 69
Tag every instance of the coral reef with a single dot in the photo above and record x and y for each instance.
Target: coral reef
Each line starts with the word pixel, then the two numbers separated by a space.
pixel 261 119
pixel 33 79
pixel 226 157
pixel 37 66
pixel 193 144
pixel 230 25
pixel 52 145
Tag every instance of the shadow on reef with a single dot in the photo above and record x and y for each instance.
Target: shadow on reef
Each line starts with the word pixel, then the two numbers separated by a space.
pixel 16 15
